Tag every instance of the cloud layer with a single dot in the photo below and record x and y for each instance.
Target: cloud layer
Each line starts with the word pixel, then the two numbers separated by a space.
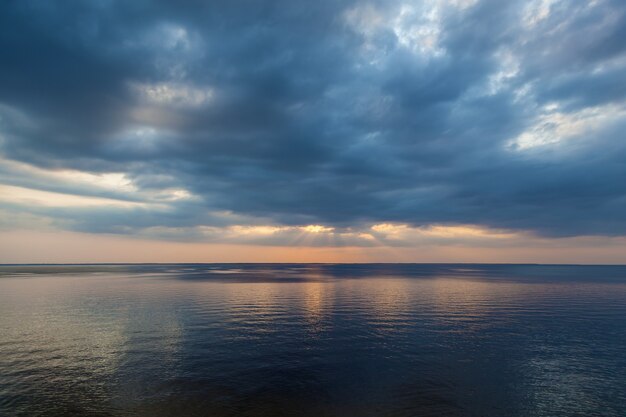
pixel 213 120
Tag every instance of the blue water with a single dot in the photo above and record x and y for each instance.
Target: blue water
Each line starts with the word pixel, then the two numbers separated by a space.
pixel 313 340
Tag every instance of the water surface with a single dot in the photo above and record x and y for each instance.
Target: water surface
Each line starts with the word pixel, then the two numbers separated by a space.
pixel 313 340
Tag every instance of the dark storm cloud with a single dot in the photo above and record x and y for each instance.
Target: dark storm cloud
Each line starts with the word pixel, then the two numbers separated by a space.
pixel 502 114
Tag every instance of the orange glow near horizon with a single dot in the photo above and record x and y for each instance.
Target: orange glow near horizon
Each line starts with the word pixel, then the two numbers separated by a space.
pixel 72 247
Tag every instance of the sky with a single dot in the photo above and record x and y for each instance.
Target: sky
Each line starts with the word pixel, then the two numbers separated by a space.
pixel 325 131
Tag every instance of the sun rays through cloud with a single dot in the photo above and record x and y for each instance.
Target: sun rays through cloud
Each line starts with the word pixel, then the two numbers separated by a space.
pixel 471 124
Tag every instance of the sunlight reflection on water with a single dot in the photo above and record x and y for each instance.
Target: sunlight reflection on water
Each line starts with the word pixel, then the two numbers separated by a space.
pixel 267 340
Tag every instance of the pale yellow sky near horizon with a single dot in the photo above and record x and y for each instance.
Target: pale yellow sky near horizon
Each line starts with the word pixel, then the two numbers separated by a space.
pixel 27 246
pixel 27 236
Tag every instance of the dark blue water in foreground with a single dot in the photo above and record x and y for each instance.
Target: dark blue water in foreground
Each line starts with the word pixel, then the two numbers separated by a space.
pixel 313 340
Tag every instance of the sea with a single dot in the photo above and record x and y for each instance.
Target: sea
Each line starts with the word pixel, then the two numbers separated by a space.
pixel 313 340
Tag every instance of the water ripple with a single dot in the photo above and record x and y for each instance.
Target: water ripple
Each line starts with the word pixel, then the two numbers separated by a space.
pixel 318 340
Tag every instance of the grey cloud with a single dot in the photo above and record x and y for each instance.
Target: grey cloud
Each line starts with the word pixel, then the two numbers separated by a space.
pixel 313 118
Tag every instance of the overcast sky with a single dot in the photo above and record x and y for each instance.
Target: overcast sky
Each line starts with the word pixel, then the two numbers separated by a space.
pixel 434 130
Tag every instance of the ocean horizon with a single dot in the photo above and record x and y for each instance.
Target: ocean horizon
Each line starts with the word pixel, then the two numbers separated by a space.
pixel 329 145
pixel 312 339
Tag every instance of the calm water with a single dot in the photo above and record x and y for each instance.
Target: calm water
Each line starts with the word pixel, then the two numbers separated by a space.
pixel 313 340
